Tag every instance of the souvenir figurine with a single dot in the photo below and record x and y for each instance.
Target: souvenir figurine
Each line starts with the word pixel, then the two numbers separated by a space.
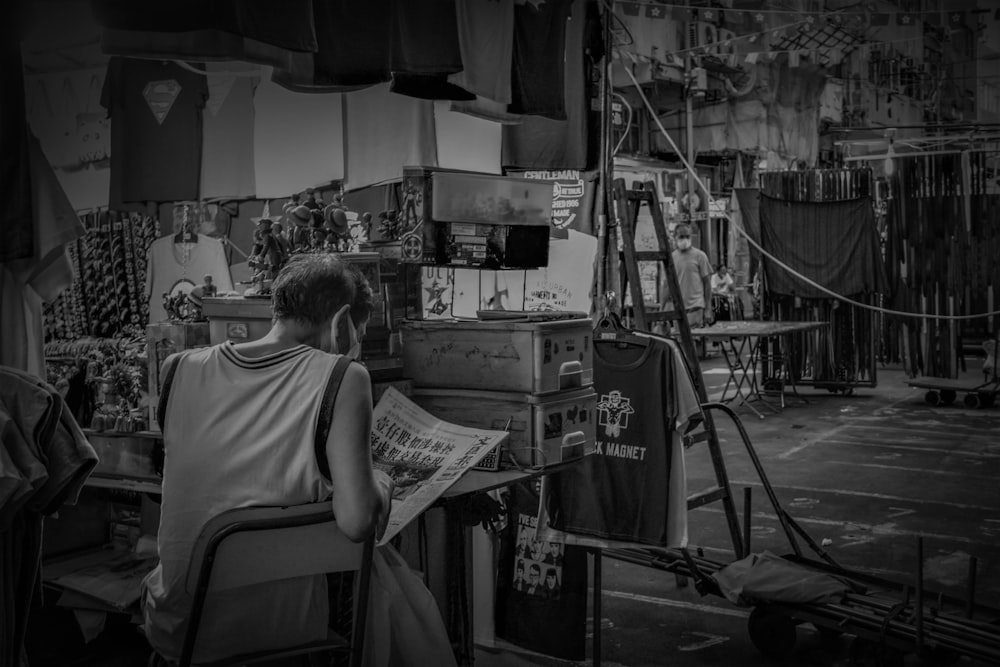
pixel 301 217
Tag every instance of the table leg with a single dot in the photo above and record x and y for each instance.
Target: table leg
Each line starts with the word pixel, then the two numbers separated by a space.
pixel 596 658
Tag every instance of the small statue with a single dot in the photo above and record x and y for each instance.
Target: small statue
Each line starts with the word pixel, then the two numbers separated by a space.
pixel 301 217
pixel 208 287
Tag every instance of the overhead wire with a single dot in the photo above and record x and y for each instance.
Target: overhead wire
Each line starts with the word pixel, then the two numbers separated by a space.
pixel 840 297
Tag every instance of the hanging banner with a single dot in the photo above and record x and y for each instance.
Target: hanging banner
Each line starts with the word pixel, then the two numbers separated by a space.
pixel 572 199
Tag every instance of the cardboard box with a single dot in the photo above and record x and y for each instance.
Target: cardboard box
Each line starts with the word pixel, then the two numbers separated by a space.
pixel 543 429
pixel 495 355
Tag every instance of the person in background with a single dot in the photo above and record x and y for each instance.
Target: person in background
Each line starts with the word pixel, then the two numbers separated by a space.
pixel 722 281
pixel 723 294
pixel 240 429
pixel 693 275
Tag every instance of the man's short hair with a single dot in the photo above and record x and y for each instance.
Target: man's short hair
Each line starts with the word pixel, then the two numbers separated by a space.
pixel 682 230
pixel 311 288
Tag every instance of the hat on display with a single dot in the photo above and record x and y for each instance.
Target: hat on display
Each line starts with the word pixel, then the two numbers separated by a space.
pixel 335 218
pixel 300 215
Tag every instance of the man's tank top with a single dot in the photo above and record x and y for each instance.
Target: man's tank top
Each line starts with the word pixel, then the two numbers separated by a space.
pixel 239 431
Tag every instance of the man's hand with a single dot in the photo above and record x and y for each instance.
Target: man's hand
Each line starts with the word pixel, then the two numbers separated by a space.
pixel 385 488
pixel 709 316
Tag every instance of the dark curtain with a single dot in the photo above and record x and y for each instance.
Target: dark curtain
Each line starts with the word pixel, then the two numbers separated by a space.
pixel 832 243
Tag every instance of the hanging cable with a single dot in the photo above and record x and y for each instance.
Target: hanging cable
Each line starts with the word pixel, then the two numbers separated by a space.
pixel 778 262
pixel 628 123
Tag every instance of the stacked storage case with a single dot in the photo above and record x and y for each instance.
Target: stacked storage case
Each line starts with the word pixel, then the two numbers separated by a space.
pixel 534 378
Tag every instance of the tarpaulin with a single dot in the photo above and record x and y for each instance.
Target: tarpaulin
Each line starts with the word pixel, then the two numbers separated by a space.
pixel 766 577
pixel 832 243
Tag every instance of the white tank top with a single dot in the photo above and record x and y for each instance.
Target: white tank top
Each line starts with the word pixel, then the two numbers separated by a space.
pixel 240 431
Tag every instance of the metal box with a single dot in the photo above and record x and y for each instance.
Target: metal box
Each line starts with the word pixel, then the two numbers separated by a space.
pixel 508 355
pixel 543 429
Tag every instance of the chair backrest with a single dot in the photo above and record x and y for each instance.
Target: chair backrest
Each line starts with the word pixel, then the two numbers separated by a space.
pixel 255 544
pixel 252 545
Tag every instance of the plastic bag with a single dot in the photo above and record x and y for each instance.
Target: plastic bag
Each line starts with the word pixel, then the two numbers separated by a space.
pixel 404 625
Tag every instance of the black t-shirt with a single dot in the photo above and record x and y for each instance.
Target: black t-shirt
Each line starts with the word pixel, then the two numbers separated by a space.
pixel 353 41
pixel 537 69
pixel 621 491
pixel 541 601
pixel 156 117
pixel 287 24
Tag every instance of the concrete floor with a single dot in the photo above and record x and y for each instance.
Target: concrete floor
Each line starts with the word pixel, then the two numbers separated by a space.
pixel 866 474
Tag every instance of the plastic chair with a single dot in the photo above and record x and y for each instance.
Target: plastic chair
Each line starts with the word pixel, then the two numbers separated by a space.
pixel 284 542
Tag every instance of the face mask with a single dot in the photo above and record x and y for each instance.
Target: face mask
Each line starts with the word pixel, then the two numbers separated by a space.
pixel 683 244
pixel 354 342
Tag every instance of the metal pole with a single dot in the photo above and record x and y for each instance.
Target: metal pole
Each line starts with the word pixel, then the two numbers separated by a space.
pixel 603 202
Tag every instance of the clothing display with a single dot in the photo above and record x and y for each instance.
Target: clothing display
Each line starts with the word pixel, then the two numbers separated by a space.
pixel 227 162
pixel 486 44
pixel 108 295
pixel 465 142
pixel 541 596
pixel 538 62
pixel 26 283
pixel 388 131
pixel 173 267
pixel 272 466
pixel 156 130
pixel 549 140
pixel 298 140
pixel 287 25
pixel 352 49
pixel 44 461
pixel 646 401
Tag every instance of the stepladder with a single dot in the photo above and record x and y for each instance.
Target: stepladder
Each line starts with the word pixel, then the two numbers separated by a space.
pixel 628 206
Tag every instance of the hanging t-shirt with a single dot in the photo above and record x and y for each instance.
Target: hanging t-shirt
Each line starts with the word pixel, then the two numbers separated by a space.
pixel 465 142
pixel 425 50
pixel 287 24
pixel 156 130
pixel 227 166
pixel 388 131
pixel 486 42
pixel 26 283
pixel 298 140
pixel 541 597
pixel 645 399
pixel 547 140
pixel 353 49
pixel 180 267
pixel 537 70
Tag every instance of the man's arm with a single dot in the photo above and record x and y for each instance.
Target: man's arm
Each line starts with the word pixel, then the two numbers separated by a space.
pixel 362 496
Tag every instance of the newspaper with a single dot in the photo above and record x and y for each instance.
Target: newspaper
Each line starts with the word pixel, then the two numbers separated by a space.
pixel 423 454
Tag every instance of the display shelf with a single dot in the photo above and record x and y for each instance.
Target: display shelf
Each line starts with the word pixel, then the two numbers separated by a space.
pixel 96 480
pixel 152 435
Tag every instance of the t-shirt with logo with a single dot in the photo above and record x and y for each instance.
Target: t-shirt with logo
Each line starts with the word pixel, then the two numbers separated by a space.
pixel 156 130
pixel 625 492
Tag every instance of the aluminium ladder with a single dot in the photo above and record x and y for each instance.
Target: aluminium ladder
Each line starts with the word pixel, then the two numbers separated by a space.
pixel 628 204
